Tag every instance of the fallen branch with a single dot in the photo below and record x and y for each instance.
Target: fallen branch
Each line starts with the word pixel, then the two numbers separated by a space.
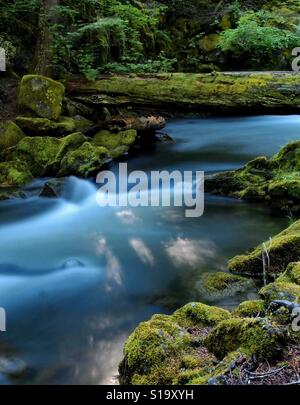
pixel 263 375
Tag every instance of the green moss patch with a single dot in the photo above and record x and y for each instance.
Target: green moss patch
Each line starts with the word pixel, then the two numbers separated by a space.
pixel 41 97
pixel 214 286
pixel 10 135
pixel 275 181
pixel 283 249
pixel 43 126
pixel 251 336
pixel 14 173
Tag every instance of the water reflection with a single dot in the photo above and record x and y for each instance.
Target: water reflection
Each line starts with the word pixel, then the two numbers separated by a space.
pixel 76 279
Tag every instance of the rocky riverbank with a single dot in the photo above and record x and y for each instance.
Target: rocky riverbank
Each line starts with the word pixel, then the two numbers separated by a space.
pixel 274 181
pixel 54 136
pixel 77 127
pixel 257 343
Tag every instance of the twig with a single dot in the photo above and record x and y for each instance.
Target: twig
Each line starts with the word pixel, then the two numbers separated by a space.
pixel 263 375
pixel 265 254
pixel 293 383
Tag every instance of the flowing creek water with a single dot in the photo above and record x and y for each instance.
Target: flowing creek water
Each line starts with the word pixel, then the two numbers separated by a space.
pixel 75 279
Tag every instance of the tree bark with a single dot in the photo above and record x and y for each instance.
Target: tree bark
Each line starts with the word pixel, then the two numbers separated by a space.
pixel 44 47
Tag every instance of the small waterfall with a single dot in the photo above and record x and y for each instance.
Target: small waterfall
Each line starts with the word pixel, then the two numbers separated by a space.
pixel 77 190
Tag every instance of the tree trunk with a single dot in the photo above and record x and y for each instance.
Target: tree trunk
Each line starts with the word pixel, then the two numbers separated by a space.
pixel 44 48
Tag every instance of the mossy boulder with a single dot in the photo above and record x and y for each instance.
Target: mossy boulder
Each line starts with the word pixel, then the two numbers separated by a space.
pixel 154 353
pixel 14 173
pixel 283 249
pixel 84 161
pixel 82 124
pixel 214 286
pixel 251 308
pixel 291 274
pixel 280 290
pixel 274 181
pixel 164 351
pixel 198 344
pixel 196 313
pixel 41 96
pixel 250 335
pixel 43 126
pixel 116 143
pixel 10 135
pixel 43 155
pixel 36 153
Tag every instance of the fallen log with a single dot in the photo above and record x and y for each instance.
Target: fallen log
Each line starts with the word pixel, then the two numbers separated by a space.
pixel 140 124
pixel 245 92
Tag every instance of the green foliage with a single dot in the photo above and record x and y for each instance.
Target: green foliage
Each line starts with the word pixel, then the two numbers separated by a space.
pixel 10 49
pixel 258 35
pixel 159 65
pixel 94 36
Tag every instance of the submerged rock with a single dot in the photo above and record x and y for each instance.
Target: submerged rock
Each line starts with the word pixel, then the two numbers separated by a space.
pixel 10 135
pixel 11 195
pixel 51 188
pixel 275 181
pixel 41 96
pixel 214 286
pixel 13 368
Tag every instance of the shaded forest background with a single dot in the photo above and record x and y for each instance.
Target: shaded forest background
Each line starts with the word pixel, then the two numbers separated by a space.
pixel 91 37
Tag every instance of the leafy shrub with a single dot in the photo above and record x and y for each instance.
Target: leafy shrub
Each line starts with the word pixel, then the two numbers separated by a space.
pixel 258 35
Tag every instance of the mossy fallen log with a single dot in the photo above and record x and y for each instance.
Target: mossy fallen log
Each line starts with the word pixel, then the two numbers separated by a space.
pixel 241 91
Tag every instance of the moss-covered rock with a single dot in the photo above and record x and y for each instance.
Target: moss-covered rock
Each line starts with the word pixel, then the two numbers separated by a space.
pixel 280 290
pixel 14 173
pixel 249 309
pixel 214 286
pixel 41 97
pixel 82 123
pixel 36 153
pixel 283 249
pixel 43 126
pixel 198 344
pixel 44 155
pixel 116 143
pixel 10 135
pixel 250 335
pixel 274 181
pixel 84 161
pixel 291 274
pixel 196 313
pixel 11 194
pixel 154 353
